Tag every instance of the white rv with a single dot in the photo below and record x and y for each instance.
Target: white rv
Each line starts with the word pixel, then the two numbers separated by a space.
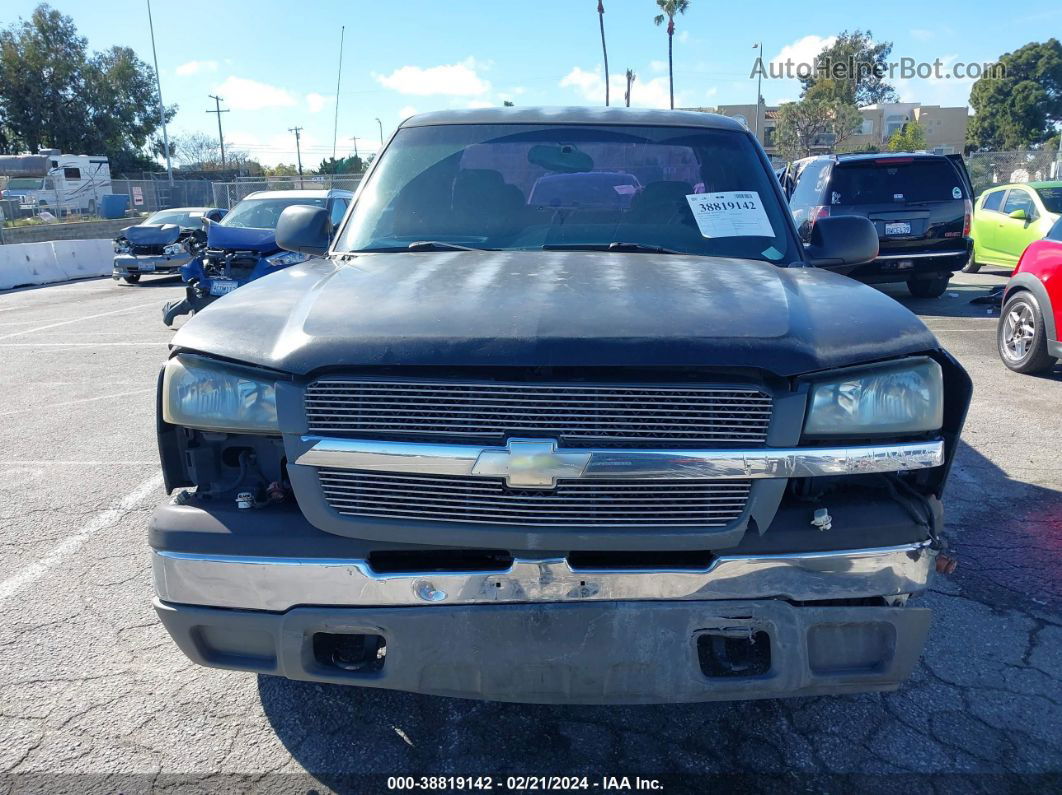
pixel 50 180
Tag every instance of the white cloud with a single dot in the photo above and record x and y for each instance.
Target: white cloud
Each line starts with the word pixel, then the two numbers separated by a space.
pixel 195 67
pixel 317 102
pixel 803 51
pixel 406 111
pixel 479 103
pixel 239 93
pixel 683 36
pixel 711 92
pixel 458 79
pixel 652 93
pixel 658 66
pixel 936 90
pixel 921 34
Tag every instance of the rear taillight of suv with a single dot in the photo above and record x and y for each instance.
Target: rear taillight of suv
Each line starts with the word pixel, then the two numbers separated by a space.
pixel 968 205
pixel 817 212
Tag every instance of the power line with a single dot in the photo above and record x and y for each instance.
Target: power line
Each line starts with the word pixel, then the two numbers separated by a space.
pixel 298 152
pixel 218 110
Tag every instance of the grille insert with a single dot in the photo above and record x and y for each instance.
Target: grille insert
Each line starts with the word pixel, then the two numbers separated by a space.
pixel 571 413
pixel 451 498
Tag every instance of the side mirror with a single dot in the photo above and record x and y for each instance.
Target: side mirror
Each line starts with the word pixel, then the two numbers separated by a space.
pixel 304 229
pixel 840 242
pixel 1017 215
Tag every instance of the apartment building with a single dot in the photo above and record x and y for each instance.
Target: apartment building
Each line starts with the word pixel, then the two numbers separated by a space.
pixel 945 127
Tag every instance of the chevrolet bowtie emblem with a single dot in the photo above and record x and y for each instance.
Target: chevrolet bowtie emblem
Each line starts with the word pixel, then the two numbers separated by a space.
pixel 531 463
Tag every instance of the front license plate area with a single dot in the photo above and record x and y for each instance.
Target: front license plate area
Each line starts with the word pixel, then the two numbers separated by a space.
pixel 898 228
pixel 222 287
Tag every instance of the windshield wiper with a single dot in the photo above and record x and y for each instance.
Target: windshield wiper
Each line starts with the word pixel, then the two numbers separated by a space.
pixel 440 245
pixel 616 246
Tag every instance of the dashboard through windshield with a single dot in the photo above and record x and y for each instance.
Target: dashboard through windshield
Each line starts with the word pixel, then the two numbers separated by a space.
pixel 519 187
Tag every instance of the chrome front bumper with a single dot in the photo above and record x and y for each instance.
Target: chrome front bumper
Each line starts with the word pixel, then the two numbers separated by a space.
pixel 279 584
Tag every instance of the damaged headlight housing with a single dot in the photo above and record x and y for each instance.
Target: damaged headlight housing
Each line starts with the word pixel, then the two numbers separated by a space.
pixel 209 396
pixel 287 258
pixel 906 397
pixel 173 248
pixel 122 246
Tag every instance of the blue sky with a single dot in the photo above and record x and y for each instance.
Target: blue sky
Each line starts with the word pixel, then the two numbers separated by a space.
pixel 275 62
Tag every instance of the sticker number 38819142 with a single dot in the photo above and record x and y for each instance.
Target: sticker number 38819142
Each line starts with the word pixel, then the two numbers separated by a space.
pixel 732 213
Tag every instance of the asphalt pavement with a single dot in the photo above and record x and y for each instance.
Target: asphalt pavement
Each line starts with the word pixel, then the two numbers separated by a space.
pixel 93 694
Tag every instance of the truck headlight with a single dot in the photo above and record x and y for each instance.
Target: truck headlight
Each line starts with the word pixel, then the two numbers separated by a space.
pixel 906 397
pixel 173 248
pixel 208 396
pixel 287 258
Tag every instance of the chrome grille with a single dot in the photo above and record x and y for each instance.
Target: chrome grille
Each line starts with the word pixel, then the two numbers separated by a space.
pixel 451 498
pixel 571 413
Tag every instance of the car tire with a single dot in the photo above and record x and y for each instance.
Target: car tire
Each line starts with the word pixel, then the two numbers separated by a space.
pixel 1021 336
pixel 972 265
pixel 929 288
pixel 132 278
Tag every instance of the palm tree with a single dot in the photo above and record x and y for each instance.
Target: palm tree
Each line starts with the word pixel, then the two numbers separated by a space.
pixel 670 9
pixel 631 77
pixel 604 50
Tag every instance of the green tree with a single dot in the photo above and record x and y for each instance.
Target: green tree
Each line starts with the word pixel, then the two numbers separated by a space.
pixel 604 49
pixel 53 93
pixel 911 137
pixel 851 71
pixel 342 165
pixel 670 9
pixel 282 170
pixel 1019 104
pixel 809 124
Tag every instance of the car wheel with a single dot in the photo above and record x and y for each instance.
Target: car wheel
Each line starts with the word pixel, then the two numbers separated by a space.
pixel 1021 337
pixel 132 278
pixel 972 265
pixel 929 288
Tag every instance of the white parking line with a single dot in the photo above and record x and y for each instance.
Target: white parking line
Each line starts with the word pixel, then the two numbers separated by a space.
pixel 75 320
pixel 37 408
pixel 74 542
pixel 79 344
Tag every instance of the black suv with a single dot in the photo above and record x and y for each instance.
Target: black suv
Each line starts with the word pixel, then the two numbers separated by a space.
pixel 503 442
pixel 921 206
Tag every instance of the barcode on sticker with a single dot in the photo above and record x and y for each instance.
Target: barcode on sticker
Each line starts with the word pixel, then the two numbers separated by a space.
pixel 742 195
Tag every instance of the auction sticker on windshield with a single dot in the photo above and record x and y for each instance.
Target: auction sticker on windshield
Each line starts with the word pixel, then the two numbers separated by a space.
pixel 730 214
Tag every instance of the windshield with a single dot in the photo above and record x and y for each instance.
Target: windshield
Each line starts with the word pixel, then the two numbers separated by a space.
pixel 264 213
pixel 188 219
pixel 890 181
pixel 1052 198
pixel 24 183
pixel 690 190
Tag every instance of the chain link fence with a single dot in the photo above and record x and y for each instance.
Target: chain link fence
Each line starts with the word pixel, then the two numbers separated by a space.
pixel 1000 168
pixel 149 195
pixel 228 194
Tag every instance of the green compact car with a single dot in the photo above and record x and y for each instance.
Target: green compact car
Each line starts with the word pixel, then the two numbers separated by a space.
pixel 1008 218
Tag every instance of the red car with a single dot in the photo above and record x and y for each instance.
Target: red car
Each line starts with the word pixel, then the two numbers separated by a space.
pixel 1028 332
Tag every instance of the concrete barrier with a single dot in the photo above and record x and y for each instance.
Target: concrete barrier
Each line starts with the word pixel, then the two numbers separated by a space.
pixel 26 264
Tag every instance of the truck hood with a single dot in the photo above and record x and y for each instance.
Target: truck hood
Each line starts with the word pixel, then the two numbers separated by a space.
pixel 151 234
pixel 558 308
pixel 263 241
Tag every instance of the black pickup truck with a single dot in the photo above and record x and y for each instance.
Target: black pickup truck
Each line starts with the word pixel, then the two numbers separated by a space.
pixel 554 446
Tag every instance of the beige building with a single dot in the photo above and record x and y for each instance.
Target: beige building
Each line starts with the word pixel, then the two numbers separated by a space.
pixel 945 128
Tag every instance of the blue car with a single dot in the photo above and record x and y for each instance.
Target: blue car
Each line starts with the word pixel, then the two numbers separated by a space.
pixel 243 247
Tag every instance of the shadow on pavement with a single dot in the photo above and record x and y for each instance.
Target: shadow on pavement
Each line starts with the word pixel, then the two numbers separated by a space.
pixel 954 303
pixel 1007 535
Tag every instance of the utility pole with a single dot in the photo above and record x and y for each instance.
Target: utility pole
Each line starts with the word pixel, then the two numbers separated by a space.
pixel 221 139
pixel 355 140
pixel 759 80
pixel 380 123
pixel 158 85
pixel 298 152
